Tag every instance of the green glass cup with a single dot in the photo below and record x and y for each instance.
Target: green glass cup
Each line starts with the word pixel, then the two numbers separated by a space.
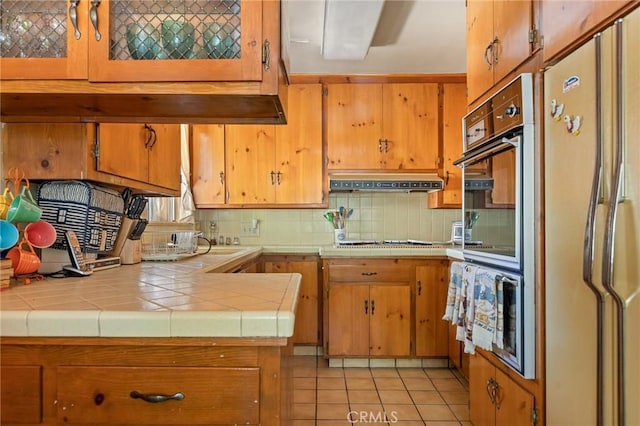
pixel 143 41
pixel 178 38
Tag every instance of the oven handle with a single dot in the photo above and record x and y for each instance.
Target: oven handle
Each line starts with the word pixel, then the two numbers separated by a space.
pixel 485 152
pixel 507 280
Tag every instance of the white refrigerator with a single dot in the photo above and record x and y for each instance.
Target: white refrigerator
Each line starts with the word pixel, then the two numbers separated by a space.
pixel 592 231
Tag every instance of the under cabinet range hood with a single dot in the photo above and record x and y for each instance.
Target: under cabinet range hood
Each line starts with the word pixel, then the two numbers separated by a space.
pixel 385 182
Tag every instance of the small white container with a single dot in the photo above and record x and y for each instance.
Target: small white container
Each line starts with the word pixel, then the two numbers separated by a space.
pixel 339 235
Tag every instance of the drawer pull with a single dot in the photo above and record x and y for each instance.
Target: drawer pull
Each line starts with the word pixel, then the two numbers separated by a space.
pixel 178 396
pixel 368 274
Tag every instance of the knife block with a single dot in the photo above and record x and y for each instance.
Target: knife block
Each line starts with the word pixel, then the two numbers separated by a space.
pixel 125 230
pixel 131 252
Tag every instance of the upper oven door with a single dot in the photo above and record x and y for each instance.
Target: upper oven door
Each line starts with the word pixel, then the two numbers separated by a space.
pixel 493 212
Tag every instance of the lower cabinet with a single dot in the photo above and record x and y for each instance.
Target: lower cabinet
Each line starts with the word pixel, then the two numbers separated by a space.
pixel 495 398
pixel 307 325
pixel 150 395
pixel 145 381
pixel 20 394
pixel 432 332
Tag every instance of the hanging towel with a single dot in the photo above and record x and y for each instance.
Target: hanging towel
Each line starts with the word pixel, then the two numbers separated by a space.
pixel 486 309
pixel 468 283
pixel 453 293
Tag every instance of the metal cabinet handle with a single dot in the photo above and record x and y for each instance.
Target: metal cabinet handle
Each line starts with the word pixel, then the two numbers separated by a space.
pixel 93 15
pixel 494 50
pixel 446 179
pixel 366 306
pixel 273 177
pixel 368 274
pixel 379 145
pixel 386 145
pixel 266 57
pixel 373 307
pixel 419 287
pixel 222 178
pixel 73 16
pixel 178 396
pixel 152 137
pixel 491 390
pixel 278 177
pixel 497 395
pixel 489 50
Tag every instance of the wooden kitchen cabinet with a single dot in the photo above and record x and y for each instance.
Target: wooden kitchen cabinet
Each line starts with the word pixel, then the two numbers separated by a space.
pixel 45 36
pixel 207 152
pixel 432 332
pixel 152 152
pixel 391 126
pixel 502 169
pixel 454 107
pixel 278 165
pixel 494 398
pixel 20 394
pixel 112 154
pixel 500 36
pixel 92 381
pixel 559 19
pixel 367 307
pixel 307 327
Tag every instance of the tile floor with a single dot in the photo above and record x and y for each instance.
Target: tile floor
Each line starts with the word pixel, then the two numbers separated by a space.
pixel 327 396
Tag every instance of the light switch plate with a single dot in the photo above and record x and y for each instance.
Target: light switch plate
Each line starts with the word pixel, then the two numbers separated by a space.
pixel 247 229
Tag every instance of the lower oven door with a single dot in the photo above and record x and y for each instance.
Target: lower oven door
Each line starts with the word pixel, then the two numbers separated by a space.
pixel 518 344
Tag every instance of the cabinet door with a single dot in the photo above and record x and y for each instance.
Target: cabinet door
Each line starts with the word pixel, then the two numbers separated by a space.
pixel 354 126
pixel 299 147
pixel 306 328
pixel 250 164
pixel 211 396
pixel 40 41
pixel 481 377
pixel 124 150
pixel 349 320
pixel 432 332
pixel 479 38
pixel 20 394
pixel 140 43
pixel 559 19
pixel 207 150
pixel 410 126
pixel 164 156
pixel 512 21
pixel 513 404
pixel 454 107
pixel 390 320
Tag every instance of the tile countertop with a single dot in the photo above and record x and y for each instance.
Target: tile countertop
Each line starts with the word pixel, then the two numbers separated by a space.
pixel 156 299
pixel 188 298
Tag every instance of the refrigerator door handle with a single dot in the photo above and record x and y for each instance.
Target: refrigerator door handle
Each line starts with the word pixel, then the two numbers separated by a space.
pixel 608 254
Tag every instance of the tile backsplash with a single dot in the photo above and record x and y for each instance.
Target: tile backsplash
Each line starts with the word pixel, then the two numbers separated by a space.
pixel 375 216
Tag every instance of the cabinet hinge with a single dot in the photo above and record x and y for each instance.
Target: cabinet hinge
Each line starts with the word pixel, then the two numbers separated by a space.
pixel 266 59
pixel 96 144
pixel 533 35
pixel 534 416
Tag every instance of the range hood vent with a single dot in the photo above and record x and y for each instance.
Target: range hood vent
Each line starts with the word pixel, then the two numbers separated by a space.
pixel 385 182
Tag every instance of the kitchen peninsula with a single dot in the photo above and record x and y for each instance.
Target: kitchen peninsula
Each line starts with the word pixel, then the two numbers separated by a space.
pixel 153 343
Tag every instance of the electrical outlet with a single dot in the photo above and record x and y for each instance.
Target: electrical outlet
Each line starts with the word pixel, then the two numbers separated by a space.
pixel 247 229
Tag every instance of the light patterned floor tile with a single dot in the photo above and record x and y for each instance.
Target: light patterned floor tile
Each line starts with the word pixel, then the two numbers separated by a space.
pixel 332 411
pixel 426 397
pixel 331 383
pixel 395 397
pixel 418 383
pixel 447 385
pixel 402 412
pixel 332 396
pixel 389 383
pixel 363 397
pixel 436 412
pixel 360 383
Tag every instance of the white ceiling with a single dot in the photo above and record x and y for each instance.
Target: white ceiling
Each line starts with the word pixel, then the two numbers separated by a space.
pixel 412 36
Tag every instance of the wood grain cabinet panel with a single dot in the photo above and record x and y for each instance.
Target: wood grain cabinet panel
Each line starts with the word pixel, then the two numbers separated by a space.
pixel 21 394
pixel 104 395
pixel 208 176
pixel 498 41
pixel 494 398
pixel 432 332
pixel 109 153
pixel 392 126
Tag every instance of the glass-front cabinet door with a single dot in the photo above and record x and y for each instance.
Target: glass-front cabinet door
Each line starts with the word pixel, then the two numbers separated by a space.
pixel 177 40
pixel 43 39
pixel 132 40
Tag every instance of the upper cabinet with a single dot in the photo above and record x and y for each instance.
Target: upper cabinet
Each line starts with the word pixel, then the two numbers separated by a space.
pixel 259 165
pixel 124 40
pixel 500 34
pixel 122 60
pixel 144 157
pixel 559 18
pixel 391 126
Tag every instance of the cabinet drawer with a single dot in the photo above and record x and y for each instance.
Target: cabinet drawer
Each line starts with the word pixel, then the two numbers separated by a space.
pixel 20 394
pixel 102 395
pixel 371 271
